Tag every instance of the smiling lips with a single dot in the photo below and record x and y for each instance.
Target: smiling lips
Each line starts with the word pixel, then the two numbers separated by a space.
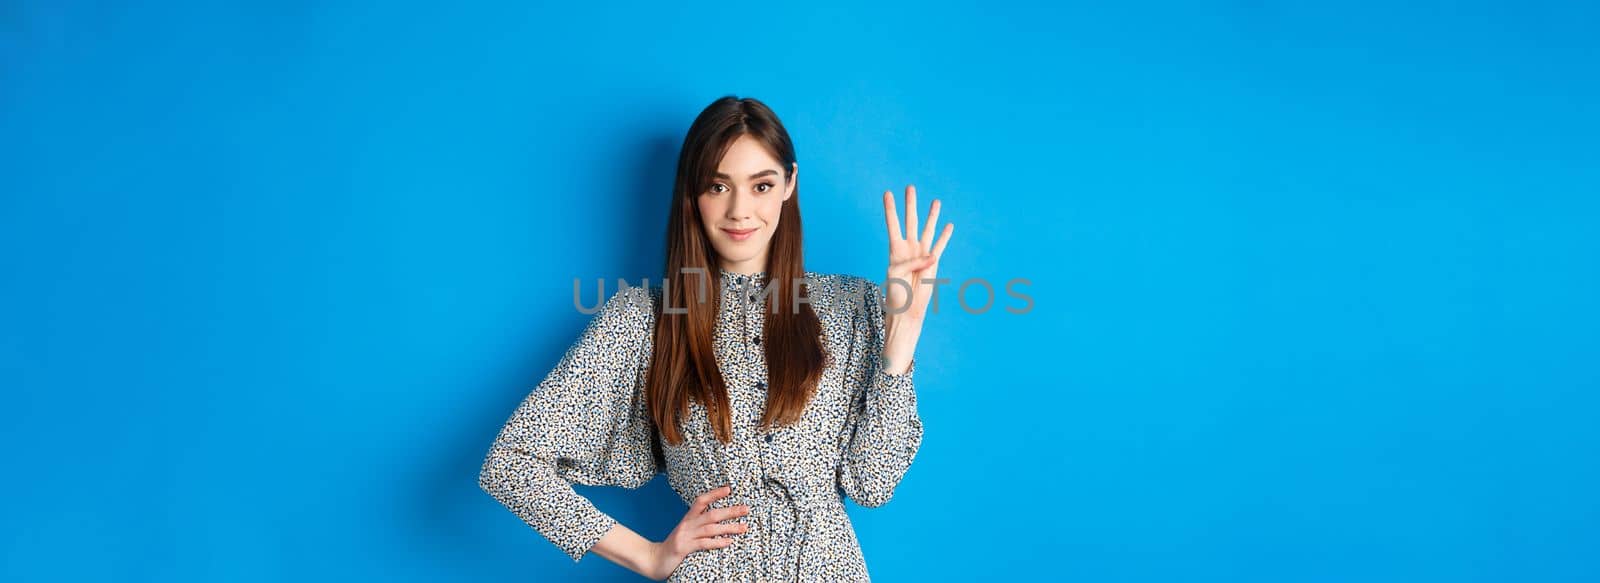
pixel 739 235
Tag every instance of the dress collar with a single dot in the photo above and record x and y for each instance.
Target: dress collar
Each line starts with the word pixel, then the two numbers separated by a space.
pixel 741 278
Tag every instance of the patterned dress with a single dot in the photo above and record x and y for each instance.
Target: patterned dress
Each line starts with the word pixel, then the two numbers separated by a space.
pixel 587 422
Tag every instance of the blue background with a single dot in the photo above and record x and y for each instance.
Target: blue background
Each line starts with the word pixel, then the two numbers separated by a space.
pixel 1314 285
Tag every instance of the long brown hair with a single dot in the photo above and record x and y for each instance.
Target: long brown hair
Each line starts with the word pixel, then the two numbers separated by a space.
pixel 684 363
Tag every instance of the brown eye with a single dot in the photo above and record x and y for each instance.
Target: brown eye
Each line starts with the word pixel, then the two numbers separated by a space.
pixel 715 187
pixel 763 187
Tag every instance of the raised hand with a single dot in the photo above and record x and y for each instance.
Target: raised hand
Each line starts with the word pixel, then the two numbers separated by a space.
pixel 912 258
pixel 913 265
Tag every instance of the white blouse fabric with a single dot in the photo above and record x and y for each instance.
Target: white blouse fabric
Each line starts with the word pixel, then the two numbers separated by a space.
pixel 587 423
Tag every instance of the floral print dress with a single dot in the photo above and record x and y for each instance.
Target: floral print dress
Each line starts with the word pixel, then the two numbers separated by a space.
pixel 587 423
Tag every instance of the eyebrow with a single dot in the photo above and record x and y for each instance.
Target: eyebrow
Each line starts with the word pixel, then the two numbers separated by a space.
pixel 766 172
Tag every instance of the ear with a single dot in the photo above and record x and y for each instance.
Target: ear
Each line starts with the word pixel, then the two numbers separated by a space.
pixel 794 177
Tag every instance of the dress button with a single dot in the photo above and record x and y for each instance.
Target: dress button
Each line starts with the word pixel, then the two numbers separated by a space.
pixel 761 384
pixel 769 438
pixel 757 339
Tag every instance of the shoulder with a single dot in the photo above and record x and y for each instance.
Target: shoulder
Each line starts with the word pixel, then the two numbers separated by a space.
pixel 630 309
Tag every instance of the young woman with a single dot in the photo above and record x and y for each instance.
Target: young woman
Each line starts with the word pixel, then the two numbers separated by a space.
pixel 763 390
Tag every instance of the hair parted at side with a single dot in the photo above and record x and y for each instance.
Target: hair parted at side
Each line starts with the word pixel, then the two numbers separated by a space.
pixel 683 364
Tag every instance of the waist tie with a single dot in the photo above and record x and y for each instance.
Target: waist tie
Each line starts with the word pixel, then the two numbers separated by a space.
pixel 806 491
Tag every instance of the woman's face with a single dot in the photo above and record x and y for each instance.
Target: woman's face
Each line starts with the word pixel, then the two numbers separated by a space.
pixel 740 210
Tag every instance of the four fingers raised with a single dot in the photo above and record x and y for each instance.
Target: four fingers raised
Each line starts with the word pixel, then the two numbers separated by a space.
pixel 925 239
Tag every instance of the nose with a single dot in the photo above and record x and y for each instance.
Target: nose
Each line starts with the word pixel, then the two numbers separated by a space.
pixel 739 205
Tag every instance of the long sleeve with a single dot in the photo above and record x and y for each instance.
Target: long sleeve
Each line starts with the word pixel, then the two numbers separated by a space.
pixel 586 423
pixel 882 429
